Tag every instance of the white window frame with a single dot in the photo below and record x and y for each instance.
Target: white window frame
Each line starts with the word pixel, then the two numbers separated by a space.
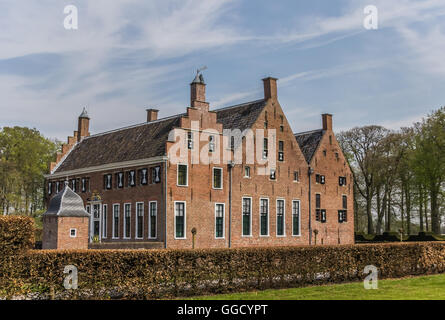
pixel 104 221
pixel 185 220
pixel 268 218
pixel 150 236
pixel 119 217
pixel 186 176
pixel 284 217
pixel 242 214
pixel 224 220
pixel 299 218
pixel 75 233
pixel 88 209
pixel 213 178
pixel 125 223
pixel 136 220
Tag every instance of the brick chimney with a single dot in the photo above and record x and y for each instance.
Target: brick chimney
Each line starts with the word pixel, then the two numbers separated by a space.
pixel 198 94
pixel 152 115
pixel 270 88
pixel 83 129
pixel 327 121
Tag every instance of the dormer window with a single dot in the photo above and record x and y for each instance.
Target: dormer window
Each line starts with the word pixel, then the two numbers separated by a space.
pixel 120 180
pixel 108 181
pixel 211 143
pixel 144 176
pixel 132 178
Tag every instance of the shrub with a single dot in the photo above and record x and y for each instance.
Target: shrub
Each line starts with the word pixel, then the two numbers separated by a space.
pixel 16 234
pixel 165 273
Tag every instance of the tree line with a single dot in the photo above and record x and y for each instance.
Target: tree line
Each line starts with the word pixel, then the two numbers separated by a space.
pixel 398 175
pixel 24 157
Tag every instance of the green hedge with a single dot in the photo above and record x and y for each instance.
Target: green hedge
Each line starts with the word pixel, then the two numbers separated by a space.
pixel 16 234
pixel 166 273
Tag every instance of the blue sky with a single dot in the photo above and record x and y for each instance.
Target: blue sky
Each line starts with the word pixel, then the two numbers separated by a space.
pixel 129 55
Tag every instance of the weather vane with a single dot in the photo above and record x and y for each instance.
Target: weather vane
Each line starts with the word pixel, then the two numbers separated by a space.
pixel 201 69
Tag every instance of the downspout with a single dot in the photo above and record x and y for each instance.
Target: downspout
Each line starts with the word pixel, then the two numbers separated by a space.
pixel 230 166
pixel 165 204
pixel 309 173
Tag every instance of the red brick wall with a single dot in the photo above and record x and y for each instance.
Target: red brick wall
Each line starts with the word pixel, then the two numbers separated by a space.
pixel 332 232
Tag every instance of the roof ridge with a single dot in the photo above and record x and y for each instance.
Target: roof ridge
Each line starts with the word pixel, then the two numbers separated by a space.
pixel 135 126
pixel 306 132
pixel 238 105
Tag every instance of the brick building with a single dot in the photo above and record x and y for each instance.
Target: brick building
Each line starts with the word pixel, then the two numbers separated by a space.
pixel 137 194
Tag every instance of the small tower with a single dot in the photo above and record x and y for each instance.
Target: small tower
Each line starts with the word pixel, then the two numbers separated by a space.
pixel 65 224
pixel 83 129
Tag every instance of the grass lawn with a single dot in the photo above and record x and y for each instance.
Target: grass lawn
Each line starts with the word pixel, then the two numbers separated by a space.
pixel 415 288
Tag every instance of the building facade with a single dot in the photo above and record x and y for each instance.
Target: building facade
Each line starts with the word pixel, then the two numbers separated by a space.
pixel 143 184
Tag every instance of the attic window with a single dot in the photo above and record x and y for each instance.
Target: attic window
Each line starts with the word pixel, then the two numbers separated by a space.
pixel 108 181
pixel 84 186
pixel 190 140
pixel 156 175
pixel 265 144
pixel 143 176
pixel 57 187
pixel 120 179
pixel 73 185
pixel 280 150
pixel 211 143
pixel 132 178
pixel 296 176
pixel 273 174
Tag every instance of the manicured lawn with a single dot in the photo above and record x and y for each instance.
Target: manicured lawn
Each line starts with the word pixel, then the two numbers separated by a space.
pixel 417 288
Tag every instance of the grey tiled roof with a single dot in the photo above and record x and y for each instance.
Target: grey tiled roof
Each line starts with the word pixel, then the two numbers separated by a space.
pixel 148 139
pixel 66 203
pixel 308 142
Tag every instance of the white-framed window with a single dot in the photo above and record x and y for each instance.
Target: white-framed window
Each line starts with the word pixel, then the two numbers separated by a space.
pixel 246 172
pixel 116 214
pixel 57 187
pixel 180 219
pixel 104 220
pixel 74 185
pixel 296 222
pixel 85 184
pixel 127 220
pixel 247 216
pixel 73 233
pixel 153 219
pixel 217 178
pixel 219 221
pixel 281 225
pixel 182 175
pixel 88 209
pixel 264 217
pixel 296 176
pixel 139 220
